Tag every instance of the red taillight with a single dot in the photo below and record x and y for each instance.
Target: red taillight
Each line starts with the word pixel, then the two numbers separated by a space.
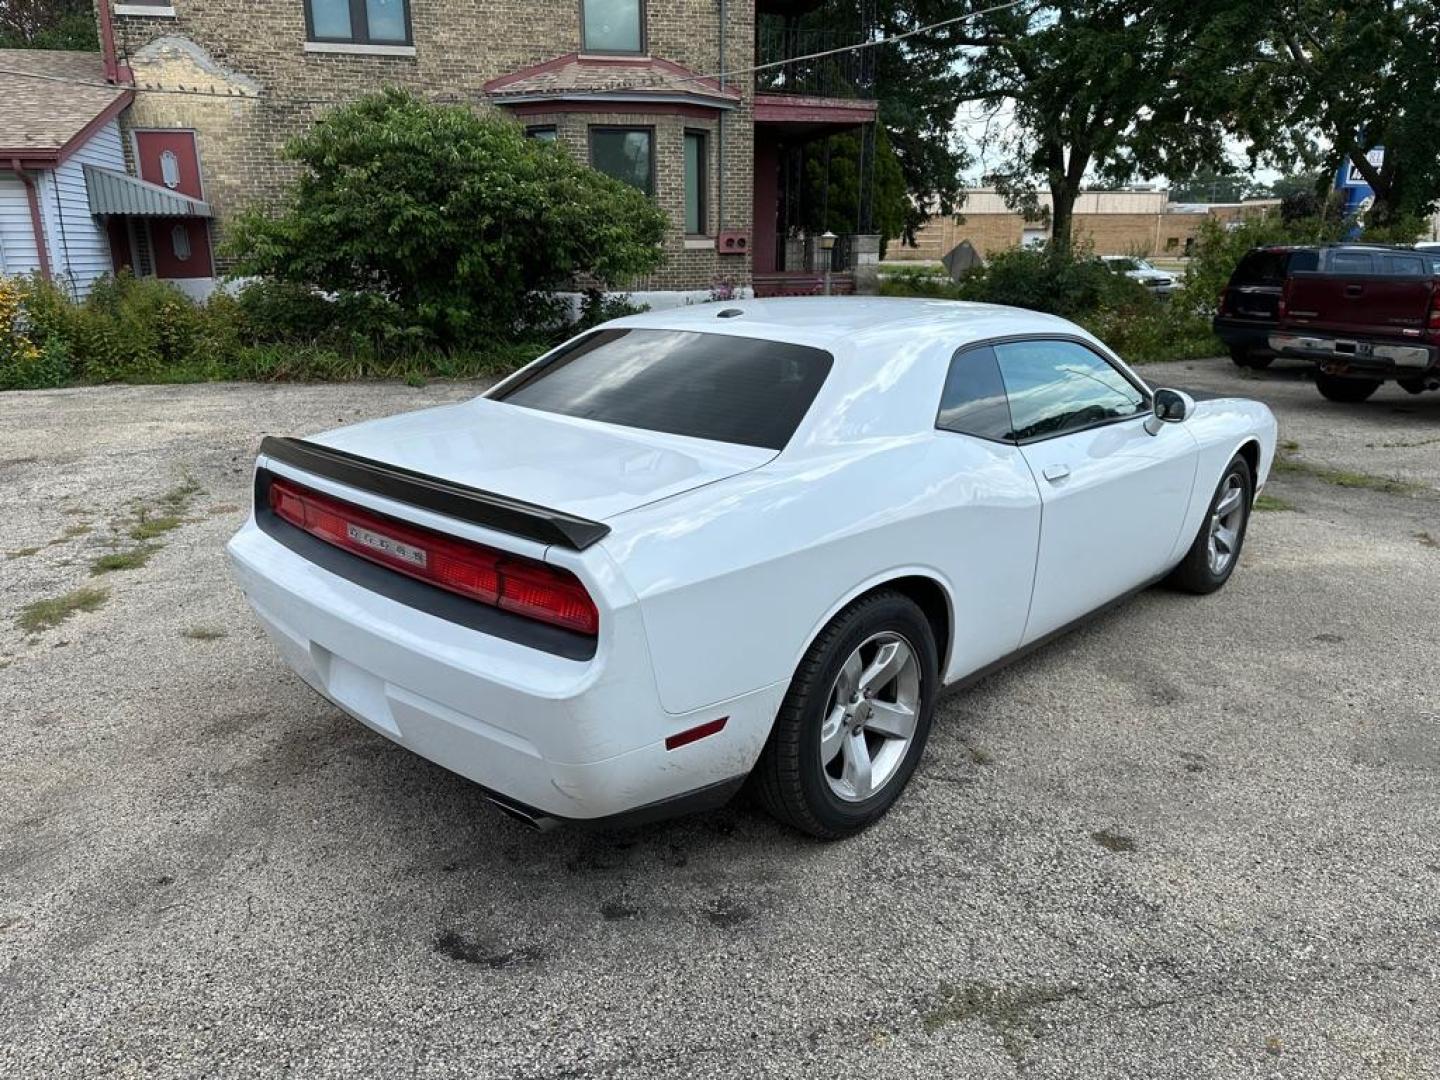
pixel 1224 299
pixel 1435 309
pixel 513 583
pixel 1284 302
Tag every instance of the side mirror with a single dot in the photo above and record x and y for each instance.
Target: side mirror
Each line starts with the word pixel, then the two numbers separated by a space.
pixel 1168 407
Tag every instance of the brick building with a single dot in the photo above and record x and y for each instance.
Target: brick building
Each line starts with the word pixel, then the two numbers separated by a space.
pixel 660 93
pixel 1144 223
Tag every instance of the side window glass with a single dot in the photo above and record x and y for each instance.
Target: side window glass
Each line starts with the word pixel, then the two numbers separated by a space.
pixel 1060 386
pixel 1404 266
pixel 1351 262
pixel 973 401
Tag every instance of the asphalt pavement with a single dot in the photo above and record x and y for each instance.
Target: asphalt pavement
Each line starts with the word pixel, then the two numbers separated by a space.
pixel 1196 838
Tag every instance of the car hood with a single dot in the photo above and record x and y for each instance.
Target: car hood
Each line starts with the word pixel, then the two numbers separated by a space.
pixel 588 469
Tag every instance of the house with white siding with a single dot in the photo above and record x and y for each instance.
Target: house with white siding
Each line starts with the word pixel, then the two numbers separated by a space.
pixel 69 209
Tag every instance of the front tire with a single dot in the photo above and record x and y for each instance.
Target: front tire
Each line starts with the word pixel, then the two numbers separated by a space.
pixel 855 720
pixel 1216 551
pixel 1348 391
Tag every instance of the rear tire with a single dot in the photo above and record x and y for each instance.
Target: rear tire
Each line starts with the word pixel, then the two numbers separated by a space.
pixel 1342 389
pixel 1213 556
pixel 836 760
pixel 1243 357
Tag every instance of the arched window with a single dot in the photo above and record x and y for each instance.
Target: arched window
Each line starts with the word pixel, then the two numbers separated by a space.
pixel 180 242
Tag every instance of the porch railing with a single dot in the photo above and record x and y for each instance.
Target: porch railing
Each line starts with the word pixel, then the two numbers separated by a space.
pixel 848 74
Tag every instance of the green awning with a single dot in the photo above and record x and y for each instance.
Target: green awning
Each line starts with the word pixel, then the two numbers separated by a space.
pixel 113 192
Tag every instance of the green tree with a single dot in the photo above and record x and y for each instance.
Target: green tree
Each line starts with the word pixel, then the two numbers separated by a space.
pixel 1313 183
pixel 48 24
pixel 1211 186
pixel 833 191
pixel 1107 89
pixel 1326 82
pixel 915 83
pixel 440 222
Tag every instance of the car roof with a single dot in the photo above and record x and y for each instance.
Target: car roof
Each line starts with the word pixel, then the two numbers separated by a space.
pixel 829 321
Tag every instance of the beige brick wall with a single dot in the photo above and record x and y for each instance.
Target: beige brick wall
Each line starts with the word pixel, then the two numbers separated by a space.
pixel 1109 234
pixel 687 265
pixel 253 52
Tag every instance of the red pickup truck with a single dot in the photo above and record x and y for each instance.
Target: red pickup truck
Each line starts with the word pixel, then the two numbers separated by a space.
pixel 1366 313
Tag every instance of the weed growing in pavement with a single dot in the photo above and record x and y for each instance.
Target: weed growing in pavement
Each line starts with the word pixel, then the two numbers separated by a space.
pixel 46 614
pixel 1266 502
pixel 1347 478
pixel 132 559
pixel 148 528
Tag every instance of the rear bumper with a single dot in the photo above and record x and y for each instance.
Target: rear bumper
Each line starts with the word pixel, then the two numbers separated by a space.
pixel 546 736
pixel 1245 333
pixel 1340 355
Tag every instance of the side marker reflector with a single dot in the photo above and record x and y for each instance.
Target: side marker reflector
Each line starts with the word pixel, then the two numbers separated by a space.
pixel 685 738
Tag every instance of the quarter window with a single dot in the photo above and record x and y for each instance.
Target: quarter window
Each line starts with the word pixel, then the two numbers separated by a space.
pixel 1059 386
pixel 973 401
pixel 361 22
pixel 695 183
pixel 612 26
pixel 625 154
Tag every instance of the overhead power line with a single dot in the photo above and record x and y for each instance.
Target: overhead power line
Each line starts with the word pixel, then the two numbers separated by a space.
pixel 621 87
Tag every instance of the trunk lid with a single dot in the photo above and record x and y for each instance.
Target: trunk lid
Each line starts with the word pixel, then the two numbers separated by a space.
pixel 581 467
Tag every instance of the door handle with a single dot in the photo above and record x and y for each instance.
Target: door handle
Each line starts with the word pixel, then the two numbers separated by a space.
pixel 1055 473
pixel 1354 290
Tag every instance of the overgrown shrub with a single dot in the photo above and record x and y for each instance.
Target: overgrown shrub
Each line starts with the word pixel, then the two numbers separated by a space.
pixel 1070 285
pixel 596 308
pixel 145 330
pixel 1117 310
pixel 1219 246
pixel 435 226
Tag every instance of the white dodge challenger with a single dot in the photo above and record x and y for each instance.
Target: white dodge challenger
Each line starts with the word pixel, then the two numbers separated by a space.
pixel 739 540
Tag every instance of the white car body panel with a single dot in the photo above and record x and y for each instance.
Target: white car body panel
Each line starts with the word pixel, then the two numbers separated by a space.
pixel 723 562
pixel 584 468
pixel 1112 515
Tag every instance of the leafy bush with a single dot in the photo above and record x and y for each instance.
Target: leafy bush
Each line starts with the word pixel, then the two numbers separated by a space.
pixel 434 225
pixel 144 330
pixel 1117 310
pixel 1220 245
pixel 1070 285
pixel 596 308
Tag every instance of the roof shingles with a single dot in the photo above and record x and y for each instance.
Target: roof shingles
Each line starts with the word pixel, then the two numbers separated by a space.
pixel 49 98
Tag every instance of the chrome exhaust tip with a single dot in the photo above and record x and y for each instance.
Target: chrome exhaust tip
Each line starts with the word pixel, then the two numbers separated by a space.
pixel 537 821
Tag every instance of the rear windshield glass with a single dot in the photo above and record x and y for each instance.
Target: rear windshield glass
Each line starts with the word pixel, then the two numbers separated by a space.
pixel 709 386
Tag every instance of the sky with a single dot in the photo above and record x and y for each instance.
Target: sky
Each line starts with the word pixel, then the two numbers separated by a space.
pixel 971 125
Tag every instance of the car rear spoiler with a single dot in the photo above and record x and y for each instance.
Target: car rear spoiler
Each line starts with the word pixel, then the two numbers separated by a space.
pixel 446 497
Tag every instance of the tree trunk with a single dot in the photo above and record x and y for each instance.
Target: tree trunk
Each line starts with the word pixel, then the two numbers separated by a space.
pixel 1062 217
pixel 1064 190
pixel 1381 183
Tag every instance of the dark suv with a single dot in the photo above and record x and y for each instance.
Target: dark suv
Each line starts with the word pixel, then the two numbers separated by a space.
pixel 1250 305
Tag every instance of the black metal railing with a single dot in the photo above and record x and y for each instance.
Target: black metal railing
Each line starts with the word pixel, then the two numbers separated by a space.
pixel 847 74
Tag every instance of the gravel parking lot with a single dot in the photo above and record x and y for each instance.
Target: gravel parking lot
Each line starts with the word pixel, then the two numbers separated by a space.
pixel 1196 838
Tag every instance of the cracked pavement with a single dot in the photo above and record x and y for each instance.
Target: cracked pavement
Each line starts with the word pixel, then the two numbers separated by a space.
pixel 1196 838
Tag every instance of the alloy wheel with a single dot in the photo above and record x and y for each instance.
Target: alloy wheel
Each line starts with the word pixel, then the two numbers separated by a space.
pixel 1225 523
pixel 870 717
